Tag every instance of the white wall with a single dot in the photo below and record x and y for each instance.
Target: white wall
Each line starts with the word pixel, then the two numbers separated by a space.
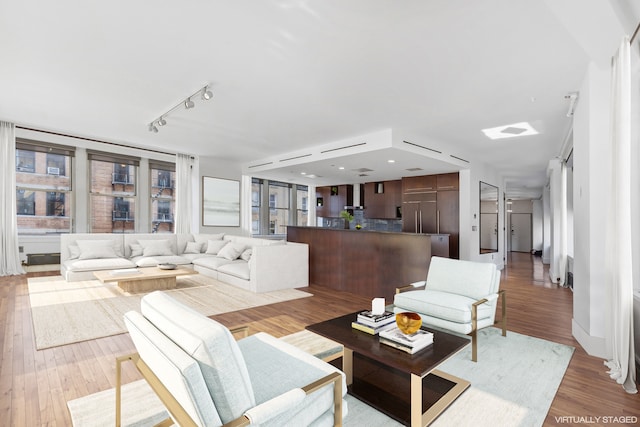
pixel 537 211
pixel 590 189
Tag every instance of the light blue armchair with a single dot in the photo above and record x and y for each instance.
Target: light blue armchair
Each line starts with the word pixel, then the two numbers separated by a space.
pixel 459 296
pixel 205 377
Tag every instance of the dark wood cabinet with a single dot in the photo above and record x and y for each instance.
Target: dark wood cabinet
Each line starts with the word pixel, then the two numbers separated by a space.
pixel 417 184
pixel 383 199
pixel 447 181
pixel 430 204
pixel 330 200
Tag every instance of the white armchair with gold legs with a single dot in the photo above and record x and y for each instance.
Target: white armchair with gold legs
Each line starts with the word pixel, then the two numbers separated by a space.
pixel 458 296
pixel 205 377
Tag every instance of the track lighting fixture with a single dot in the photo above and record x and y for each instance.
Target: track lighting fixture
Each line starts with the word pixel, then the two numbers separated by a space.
pixel 205 94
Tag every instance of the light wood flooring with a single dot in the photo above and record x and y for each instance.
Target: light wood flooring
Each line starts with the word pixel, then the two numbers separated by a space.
pixel 35 385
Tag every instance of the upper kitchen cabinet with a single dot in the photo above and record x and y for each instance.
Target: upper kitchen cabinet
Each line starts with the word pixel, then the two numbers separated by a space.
pixel 330 200
pixel 383 199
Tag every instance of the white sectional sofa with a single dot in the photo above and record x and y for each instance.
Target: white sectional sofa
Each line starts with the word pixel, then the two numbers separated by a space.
pixel 258 265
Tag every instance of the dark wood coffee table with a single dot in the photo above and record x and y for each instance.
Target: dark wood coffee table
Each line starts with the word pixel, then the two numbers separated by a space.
pixel 407 387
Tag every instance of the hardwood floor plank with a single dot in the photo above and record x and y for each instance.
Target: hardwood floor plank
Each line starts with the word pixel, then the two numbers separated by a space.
pixel 36 385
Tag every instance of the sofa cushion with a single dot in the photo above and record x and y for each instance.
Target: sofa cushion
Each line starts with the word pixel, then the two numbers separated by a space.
pixel 136 250
pixel 231 251
pixel 94 249
pixel 468 278
pixel 238 268
pixel 156 247
pixel 193 248
pixel 212 345
pixel 212 262
pixel 214 246
pixel 74 252
pixel 97 264
pixel 264 353
pixel 443 305
pixel 246 254
pixel 178 372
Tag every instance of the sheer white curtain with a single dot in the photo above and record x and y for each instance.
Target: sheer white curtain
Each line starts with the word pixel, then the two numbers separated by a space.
pixel 618 263
pixel 9 256
pixel 184 203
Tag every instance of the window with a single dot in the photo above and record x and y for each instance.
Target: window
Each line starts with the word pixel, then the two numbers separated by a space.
pixel 275 205
pixel 55 203
pixel 25 161
pixel 256 191
pixel 279 198
pixel 163 197
pixel 55 164
pixel 26 202
pixel 302 209
pixel 43 187
pixel 112 193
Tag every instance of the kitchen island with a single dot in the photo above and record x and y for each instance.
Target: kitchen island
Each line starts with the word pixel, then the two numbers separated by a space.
pixel 368 263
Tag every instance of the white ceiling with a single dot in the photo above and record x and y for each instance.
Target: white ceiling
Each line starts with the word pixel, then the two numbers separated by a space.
pixel 289 75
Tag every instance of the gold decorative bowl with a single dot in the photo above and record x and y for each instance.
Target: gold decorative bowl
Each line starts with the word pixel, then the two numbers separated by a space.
pixel 408 322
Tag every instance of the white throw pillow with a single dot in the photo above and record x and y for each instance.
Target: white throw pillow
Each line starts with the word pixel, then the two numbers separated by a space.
pixel 246 254
pixel 156 247
pixel 231 251
pixel 74 252
pixel 214 246
pixel 193 248
pixel 94 249
pixel 136 250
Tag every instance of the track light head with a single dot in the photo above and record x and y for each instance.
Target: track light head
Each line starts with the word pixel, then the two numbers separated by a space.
pixel 206 93
pixel 189 103
pixel 161 121
pixel 153 128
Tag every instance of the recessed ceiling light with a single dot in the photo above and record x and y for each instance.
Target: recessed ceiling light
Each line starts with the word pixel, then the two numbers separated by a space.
pixel 341 168
pixel 303 173
pixel 510 131
pixel 391 161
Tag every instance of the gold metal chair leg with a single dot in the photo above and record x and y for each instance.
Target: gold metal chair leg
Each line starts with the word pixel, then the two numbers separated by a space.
pixel 503 293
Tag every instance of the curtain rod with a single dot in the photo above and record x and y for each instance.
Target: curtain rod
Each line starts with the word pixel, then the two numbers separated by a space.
pixel 635 33
pixel 96 140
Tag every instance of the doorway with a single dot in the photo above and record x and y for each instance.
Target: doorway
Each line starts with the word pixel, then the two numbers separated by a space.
pixel 521 240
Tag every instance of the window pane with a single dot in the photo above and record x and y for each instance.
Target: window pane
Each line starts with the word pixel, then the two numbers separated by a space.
pixel 42 212
pixel 25 161
pixel 279 199
pixel 162 200
pixel 112 214
pixel 302 199
pixel 112 178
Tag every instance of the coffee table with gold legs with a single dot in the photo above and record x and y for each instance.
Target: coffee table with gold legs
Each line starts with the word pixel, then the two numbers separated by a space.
pixel 406 387
pixel 143 279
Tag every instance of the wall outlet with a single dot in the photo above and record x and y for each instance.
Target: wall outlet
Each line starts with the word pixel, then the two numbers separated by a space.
pixel 21 249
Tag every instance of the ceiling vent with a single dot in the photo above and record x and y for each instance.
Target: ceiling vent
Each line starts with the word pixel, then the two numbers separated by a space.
pixel 294 158
pixel 362 170
pixel 423 147
pixel 363 174
pixel 514 130
pixel 414 169
pixel 343 148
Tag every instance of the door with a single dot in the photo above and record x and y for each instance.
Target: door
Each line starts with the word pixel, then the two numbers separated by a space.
pixel 521 232
pixel 448 220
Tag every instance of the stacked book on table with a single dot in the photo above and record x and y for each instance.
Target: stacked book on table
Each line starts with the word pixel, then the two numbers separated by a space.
pixel 374 323
pixel 410 343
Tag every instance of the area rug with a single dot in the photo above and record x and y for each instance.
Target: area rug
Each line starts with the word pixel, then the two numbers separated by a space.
pixel 68 312
pixel 512 384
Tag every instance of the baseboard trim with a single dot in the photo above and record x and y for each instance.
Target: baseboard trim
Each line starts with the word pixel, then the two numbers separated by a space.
pixel 594 346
